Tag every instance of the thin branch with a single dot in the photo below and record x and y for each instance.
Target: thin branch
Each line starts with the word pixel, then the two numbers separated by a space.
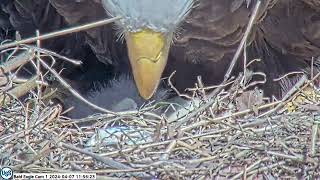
pixel 243 41
pixel 61 32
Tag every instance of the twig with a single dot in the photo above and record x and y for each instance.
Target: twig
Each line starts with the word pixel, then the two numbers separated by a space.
pixel 174 88
pixel 243 40
pixel 108 161
pixel 51 53
pixel 23 80
pixel 248 169
pixel 168 150
pixel 61 32
pixel 19 91
pixel 271 166
pixel 74 92
pixel 297 88
pixel 314 138
pixel 218 119
pixel 210 87
pixel 288 74
pixel 19 60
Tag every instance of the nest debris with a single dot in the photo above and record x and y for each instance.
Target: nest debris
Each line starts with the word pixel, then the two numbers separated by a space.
pixel 236 134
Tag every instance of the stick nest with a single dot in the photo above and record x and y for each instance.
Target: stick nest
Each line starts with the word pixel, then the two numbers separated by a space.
pixel 233 133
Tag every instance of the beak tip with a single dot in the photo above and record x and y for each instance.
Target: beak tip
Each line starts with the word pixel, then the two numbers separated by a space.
pixel 146 95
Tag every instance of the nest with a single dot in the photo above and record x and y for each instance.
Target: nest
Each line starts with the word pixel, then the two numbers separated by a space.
pixel 230 133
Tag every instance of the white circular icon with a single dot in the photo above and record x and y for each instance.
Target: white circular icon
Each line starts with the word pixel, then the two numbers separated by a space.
pixel 6 173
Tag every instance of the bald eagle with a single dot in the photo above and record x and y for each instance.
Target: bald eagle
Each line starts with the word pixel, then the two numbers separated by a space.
pixel 205 35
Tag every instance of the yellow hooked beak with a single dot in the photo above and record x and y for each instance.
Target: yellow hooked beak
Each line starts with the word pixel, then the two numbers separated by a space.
pixel 148 53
